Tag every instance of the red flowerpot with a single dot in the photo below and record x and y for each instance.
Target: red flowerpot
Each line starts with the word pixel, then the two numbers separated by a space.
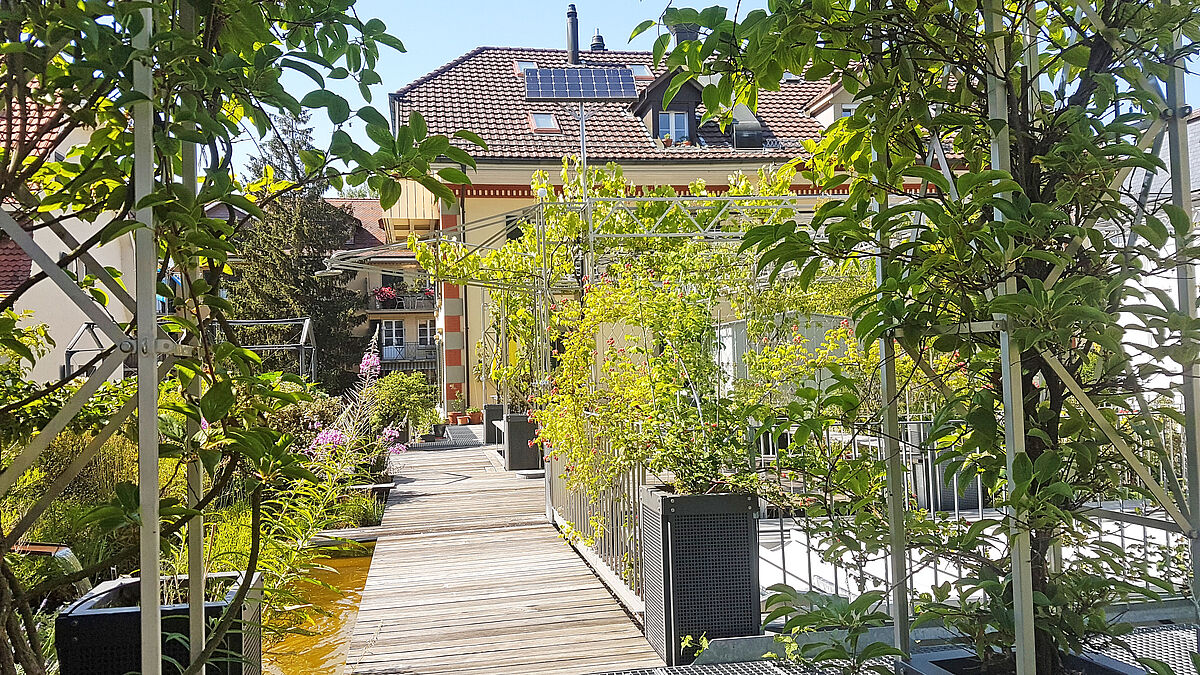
pixel 477 417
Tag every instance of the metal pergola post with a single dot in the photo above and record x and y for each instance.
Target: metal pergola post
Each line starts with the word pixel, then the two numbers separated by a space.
pixel 145 268
pixel 1176 114
pixel 197 574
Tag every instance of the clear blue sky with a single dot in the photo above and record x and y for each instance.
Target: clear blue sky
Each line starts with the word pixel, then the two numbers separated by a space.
pixel 436 31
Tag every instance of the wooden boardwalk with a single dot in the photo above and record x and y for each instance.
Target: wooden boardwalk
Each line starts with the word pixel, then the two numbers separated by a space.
pixel 468 577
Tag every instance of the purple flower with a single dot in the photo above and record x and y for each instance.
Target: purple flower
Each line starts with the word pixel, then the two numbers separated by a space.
pixel 397 448
pixel 329 437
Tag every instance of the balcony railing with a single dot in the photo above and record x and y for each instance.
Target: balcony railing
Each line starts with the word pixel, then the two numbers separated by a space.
pixel 392 353
pixel 406 302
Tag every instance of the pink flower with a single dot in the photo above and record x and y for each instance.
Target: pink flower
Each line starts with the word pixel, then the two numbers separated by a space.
pixel 369 366
pixel 384 293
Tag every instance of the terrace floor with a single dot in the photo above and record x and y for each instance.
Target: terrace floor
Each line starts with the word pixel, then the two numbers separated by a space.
pixel 468 577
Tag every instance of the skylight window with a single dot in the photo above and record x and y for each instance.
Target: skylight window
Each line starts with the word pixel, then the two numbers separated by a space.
pixel 522 66
pixel 544 123
pixel 641 72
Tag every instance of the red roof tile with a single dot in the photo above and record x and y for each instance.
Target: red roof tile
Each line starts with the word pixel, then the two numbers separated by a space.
pixel 480 91
pixel 15 265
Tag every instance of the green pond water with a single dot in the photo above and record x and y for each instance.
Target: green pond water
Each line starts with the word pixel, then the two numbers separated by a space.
pixel 325 651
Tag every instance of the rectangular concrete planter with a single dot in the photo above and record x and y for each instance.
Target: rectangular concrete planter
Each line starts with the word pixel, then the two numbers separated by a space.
pixel 960 661
pixel 492 412
pixel 699 569
pixel 519 455
pixel 100 634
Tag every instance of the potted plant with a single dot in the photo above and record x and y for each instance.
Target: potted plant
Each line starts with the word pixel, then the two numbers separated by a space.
pixel 385 296
pixel 100 633
pixel 667 140
pixel 476 415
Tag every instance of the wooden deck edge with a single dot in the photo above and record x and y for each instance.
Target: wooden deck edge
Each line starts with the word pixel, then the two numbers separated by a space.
pixel 630 602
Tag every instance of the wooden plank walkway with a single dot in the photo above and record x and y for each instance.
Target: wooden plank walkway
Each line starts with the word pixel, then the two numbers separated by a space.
pixel 468 577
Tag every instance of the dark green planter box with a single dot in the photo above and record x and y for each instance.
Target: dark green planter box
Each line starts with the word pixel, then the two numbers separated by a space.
pixel 519 430
pixel 492 412
pixel 100 634
pixel 699 569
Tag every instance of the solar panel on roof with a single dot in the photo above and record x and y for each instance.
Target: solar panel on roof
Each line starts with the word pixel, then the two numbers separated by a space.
pixel 579 84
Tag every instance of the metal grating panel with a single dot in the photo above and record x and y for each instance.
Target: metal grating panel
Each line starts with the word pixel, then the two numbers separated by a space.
pixel 714 561
pixel 653 593
pixel 1170 644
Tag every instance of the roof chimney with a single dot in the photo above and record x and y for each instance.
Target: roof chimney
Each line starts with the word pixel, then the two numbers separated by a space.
pixel 684 31
pixel 572 35
pixel 598 42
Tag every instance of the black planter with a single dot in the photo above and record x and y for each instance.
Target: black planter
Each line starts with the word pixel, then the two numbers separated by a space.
pixel 935 493
pixel 439 431
pixel 492 412
pixel 960 661
pixel 100 634
pixel 520 453
pixel 699 569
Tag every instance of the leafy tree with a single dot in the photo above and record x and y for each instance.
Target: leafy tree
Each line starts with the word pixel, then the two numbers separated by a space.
pixel 1054 244
pixel 215 68
pixel 280 254
pixel 279 257
pixel 290 134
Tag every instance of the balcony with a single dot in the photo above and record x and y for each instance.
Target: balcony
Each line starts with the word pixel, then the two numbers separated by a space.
pixel 408 353
pixel 403 302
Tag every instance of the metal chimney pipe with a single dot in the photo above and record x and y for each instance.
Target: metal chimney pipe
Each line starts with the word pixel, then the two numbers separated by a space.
pixel 572 35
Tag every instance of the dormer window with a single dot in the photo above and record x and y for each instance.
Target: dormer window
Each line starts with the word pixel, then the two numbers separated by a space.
pixel 674 125
pixel 641 72
pixel 544 123
pixel 848 109
pixel 522 66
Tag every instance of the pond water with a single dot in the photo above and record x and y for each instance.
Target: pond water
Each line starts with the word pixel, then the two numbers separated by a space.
pixel 324 651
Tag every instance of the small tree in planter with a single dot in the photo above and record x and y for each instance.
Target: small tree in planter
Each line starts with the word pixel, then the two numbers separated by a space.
pixel 1024 244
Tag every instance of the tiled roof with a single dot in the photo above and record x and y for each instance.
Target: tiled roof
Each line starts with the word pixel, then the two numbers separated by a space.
pixel 26 128
pixel 369 214
pixel 14 265
pixel 370 231
pixel 481 91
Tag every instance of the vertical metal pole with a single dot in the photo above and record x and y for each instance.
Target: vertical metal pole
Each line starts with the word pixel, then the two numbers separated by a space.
pixel 890 441
pixel 1010 360
pixel 195 472
pixel 1181 197
pixel 146 259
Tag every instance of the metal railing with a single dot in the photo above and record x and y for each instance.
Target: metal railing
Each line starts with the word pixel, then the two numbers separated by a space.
pixel 794 549
pixel 607 523
pixel 389 353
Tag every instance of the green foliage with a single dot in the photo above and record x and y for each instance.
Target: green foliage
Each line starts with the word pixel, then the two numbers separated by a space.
pixel 217 70
pixel 833 629
pixel 1046 245
pixel 404 400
